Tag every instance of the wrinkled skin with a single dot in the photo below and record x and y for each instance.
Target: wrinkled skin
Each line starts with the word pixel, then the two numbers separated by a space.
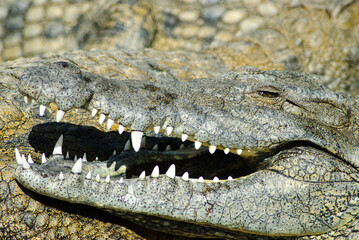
pixel 328 49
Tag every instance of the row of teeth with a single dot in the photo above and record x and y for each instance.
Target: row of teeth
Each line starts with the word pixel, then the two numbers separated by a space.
pixel 77 168
pixel 136 136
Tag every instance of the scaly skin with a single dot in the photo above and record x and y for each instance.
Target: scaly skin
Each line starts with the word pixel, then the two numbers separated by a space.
pixel 333 56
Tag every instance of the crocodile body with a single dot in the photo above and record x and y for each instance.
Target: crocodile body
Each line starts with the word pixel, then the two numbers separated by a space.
pixel 229 47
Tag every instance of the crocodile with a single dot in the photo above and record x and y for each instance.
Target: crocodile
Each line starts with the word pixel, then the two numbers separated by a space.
pixel 209 57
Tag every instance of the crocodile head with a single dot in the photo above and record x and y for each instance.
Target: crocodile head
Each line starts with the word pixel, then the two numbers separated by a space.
pixel 298 140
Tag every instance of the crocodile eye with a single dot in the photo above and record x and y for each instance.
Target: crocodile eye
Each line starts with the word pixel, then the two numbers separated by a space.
pixel 268 94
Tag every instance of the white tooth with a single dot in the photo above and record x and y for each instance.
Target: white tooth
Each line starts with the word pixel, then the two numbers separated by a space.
pixel 143 142
pixel 121 180
pixel 23 158
pixel 184 137
pixel 171 172
pixel 18 156
pixel 89 175
pixel 75 158
pixel 197 145
pixel 26 99
pixel 212 149
pixel 114 153
pixel 29 159
pixel 77 168
pixel 136 137
pixel 185 176
pixel 61 176
pixel 230 178
pixel 226 150
pixel 169 130
pixel 121 129
pixel 58 146
pixel 109 123
pixel 43 158
pixel 97 177
pixel 200 179
pixel 142 175
pixel 239 151
pixel 59 115
pixel 155 172
pixel 155 148
pixel 84 158
pixel 96 159
pixel 122 169
pixel 102 118
pixel 215 179
pixel 25 164
pixel 112 167
pixel 157 129
pixel 42 110
pixel 107 179
pixel 168 148
pixel 182 147
pixel 67 155
pixel 127 146
pixel 94 112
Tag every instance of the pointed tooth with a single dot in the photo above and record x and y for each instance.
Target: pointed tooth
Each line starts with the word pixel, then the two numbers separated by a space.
pixel 155 172
pixel 169 130
pixel 200 179
pixel 143 142
pixel 127 146
pixel 42 110
pixel 98 178
pixel 58 146
pixel 107 179
pixel 84 158
pixel 182 147
pixel 102 118
pixel 109 123
pixel 67 155
pixel 197 145
pixel 121 180
pixel 157 129
pixel 23 158
pixel 61 176
pixel 155 147
pixel 25 164
pixel 89 175
pixel 184 137
pixel 112 167
pixel 96 159
pixel 230 178
pixel 43 158
pixel 171 172
pixel 215 179
pixel 29 159
pixel 226 150
pixel 94 112
pixel 59 115
pixel 122 169
pixel 114 152
pixel 185 176
pixel 239 151
pixel 75 158
pixel 18 156
pixel 136 137
pixel 121 129
pixel 77 168
pixel 168 148
pixel 212 149
pixel 26 99
pixel 142 175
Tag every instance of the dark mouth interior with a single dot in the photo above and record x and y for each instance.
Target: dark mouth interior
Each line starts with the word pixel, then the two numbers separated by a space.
pixel 80 139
